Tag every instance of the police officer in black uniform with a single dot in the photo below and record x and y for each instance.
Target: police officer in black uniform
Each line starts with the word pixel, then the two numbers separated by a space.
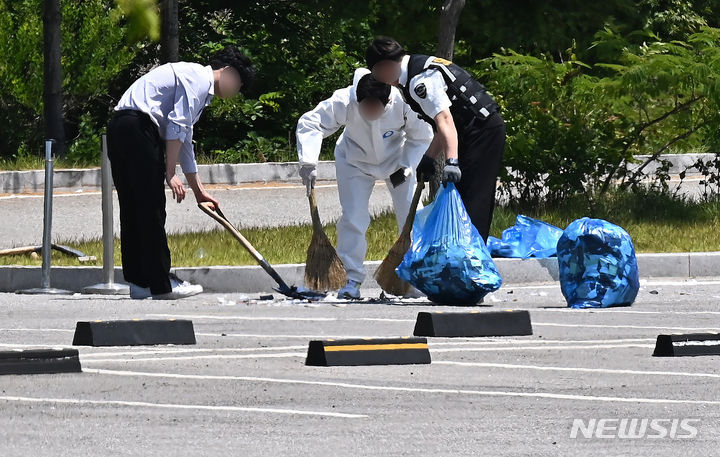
pixel 468 127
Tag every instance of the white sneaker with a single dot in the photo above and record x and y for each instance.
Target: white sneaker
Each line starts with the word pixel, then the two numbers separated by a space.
pixel 139 293
pixel 351 291
pixel 180 289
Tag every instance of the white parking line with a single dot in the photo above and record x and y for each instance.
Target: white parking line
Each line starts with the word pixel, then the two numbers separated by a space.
pixel 273 318
pixel 690 282
pixel 306 336
pixel 437 341
pixel 378 319
pixel 575 369
pixel 142 404
pixel 21 347
pixel 63 330
pixel 303 354
pixel 490 342
pixel 544 348
pixel 192 350
pixel 202 357
pixel 621 311
pixel 369 319
pixel 533 341
pixel 643 327
pixel 627 311
pixel 486 393
pixel 488 345
pixel 246 318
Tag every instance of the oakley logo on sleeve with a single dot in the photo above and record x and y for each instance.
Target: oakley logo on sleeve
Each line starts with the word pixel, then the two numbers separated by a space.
pixel 388 134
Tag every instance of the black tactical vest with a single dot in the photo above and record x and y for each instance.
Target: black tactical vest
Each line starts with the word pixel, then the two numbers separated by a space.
pixel 469 98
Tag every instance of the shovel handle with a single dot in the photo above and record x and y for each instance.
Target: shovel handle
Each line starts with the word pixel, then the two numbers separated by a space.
pixel 209 209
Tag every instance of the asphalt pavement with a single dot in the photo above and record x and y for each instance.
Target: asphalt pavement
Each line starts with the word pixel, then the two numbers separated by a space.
pixel 243 389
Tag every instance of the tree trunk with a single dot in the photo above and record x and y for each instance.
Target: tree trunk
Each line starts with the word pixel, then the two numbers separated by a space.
pixel 169 41
pixel 52 90
pixel 449 18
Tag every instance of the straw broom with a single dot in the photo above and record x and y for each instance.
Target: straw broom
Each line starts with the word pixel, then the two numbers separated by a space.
pixel 323 268
pixel 385 274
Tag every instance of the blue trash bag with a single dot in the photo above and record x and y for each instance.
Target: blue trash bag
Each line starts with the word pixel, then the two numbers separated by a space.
pixel 448 260
pixel 598 267
pixel 527 238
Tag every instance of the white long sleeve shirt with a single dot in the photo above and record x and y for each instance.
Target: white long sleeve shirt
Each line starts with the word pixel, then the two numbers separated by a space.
pixel 173 95
pixel 396 140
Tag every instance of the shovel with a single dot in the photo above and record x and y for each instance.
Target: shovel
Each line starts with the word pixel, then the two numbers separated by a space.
pixel 283 288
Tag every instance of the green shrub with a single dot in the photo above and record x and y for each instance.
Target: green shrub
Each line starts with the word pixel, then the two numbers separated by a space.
pixel 573 129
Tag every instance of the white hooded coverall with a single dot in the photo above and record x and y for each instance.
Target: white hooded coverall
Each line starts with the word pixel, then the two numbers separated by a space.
pixel 365 152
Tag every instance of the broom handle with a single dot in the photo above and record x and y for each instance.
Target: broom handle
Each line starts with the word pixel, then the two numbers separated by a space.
pixel 314 214
pixel 22 250
pixel 216 214
pixel 413 209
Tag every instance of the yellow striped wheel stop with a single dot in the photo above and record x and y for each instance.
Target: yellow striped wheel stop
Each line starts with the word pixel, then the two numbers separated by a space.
pixel 134 332
pixel 690 344
pixel 371 351
pixel 40 361
pixel 472 324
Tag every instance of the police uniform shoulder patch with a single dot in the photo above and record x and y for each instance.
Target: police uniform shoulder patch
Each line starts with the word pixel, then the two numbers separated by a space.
pixel 421 90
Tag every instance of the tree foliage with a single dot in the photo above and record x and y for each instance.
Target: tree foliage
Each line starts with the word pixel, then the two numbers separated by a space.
pixel 584 85
pixel 572 127
pixel 94 52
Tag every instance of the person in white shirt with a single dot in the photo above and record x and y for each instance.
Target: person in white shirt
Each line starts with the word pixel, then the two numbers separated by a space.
pixel 470 132
pixel 382 139
pixel 150 131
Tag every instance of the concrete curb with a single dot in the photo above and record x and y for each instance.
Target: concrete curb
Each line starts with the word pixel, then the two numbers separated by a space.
pixel 252 279
pixel 14 182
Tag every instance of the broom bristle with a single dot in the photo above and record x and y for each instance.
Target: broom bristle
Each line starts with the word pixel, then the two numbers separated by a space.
pixel 385 274
pixel 323 268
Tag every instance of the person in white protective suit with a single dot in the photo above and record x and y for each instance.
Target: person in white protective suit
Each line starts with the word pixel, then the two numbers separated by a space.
pixel 383 139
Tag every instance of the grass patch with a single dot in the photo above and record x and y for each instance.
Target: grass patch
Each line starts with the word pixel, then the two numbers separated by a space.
pixel 657 223
pixel 24 163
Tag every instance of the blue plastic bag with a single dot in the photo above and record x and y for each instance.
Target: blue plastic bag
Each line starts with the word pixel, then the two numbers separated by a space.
pixel 598 267
pixel 527 238
pixel 448 260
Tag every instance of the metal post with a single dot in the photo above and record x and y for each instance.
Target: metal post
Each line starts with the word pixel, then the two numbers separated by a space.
pixel 47 230
pixel 108 287
pixel 47 219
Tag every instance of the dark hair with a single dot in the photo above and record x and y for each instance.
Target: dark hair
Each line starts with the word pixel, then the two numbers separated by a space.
pixel 369 87
pixel 383 48
pixel 232 57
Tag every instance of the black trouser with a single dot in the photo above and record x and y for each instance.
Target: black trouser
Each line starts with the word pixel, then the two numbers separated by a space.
pixel 480 149
pixel 137 158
